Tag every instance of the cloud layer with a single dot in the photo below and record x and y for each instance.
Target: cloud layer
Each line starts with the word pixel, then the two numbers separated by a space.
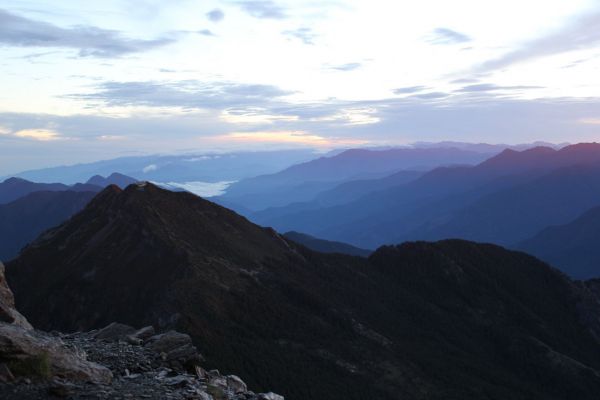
pixel 89 41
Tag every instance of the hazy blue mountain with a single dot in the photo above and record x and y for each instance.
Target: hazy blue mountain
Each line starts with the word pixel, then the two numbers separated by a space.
pixel 517 213
pixel 573 247
pixel 15 188
pixel 302 182
pixel 24 219
pixel 207 167
pixel 326 246
pixel 115 178
pixel 436 205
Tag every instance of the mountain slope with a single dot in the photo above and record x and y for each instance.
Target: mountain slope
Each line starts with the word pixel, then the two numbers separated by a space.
pixel 115 178
pixel 325 246
pixel 573 247
pixel 14 188
pixel 301 182
pixel 517 213
pixel 438 204
pixel 22 220
pixel 448 320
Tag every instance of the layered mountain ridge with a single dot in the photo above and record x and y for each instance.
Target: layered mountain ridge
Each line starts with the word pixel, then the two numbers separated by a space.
pixel 446 320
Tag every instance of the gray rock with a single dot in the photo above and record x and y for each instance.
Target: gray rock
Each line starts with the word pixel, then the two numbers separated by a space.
pixel 114 331
pixel 235 384
pixel 144 333
pixel 174 346
pixel 8 313
pixel 270 396
pixel 36 354
pixel 5 374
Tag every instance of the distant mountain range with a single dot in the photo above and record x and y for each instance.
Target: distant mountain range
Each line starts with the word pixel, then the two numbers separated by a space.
pixel 22 220
pixel 505 199
pixel 115 178
pixel 446 320
pixel 573 247
pixel 27 208
pixel 14 188
pixel 302 182
pixel 208 167
pixel 326 246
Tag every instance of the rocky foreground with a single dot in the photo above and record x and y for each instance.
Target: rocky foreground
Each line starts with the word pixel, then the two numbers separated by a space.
pixel 116 362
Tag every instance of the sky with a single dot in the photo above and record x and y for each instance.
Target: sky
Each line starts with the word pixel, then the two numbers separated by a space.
pixel 83 81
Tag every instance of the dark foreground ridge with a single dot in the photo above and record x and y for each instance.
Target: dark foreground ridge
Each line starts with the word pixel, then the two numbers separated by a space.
pixel 116 362
pixel 445 320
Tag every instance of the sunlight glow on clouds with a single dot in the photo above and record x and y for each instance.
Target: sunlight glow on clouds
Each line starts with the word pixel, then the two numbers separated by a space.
pixel 38 134
pixel 341 73
pixel 590 121
pixel 287 137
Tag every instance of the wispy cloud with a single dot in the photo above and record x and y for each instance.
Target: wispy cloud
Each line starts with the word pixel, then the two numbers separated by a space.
pixel 443 36
pixel 410 89
pixel 346 67
pixel 288 137
pixel 430 95
pixel 215 15
pixel 184 94
pixel 89 41
pixel 265 9
pixel 38 134
pixel 306 35
pixel 205 32
pixel 580 33
pixel 490 87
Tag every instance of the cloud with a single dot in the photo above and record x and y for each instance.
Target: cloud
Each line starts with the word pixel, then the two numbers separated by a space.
pixel 443 36
pixel 590 121
pixel 465 80
pixel 149 168
pixel 254 115
pixel 352 116
pixel 205 32
pixel 89 41
pixel 581 33
pixel 346 67
pixel 264 9
pixel 410 89
pixel 399 119
pixel 215 15
pixel 38 134
pixel 490 87
pixel 306 35
pixel 288 137
pixel 430 95
pixel 183 94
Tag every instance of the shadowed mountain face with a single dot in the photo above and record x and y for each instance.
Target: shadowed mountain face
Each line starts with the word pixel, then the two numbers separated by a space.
pixel 503 200
pixel 22 220
pixel 573 247
pixel 447 320
pixel 14 188
pixel 326 246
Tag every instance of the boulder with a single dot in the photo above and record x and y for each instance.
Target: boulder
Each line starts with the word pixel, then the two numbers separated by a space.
pixel 114 331
pixel 235 384
pixel 270 396
pixel 34 354
pixel 175 346
pixel 8 313
pixel 144 333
